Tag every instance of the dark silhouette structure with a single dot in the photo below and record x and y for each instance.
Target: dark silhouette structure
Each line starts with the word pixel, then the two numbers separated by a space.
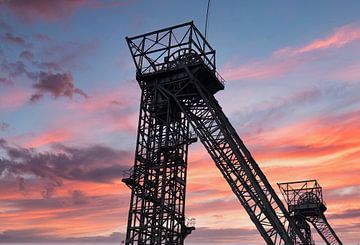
pixel 306 205
pixel 176 71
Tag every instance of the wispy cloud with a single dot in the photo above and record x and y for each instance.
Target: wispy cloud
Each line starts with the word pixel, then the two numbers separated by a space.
pixel 288 59
pixel 43 235
pixel 38 10
pixel 341 37
pixel 204 235
pixel 14 97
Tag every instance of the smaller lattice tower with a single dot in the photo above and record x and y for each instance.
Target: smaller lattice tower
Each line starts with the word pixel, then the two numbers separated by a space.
pixel 306 205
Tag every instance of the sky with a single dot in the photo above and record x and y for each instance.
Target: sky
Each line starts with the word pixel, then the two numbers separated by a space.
pixel 69 106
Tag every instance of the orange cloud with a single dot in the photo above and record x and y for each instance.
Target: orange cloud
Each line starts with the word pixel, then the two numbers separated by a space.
pixel 49 137
pixel 316 137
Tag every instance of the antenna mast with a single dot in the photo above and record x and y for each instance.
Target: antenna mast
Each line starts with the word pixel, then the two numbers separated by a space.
pixel 207 17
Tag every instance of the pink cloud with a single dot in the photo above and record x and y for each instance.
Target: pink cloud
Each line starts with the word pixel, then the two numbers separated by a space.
pixel 342 36
pixel 43 10
pixel 55 84
pixel 13 97
pixel 104 113
pixel 349 73
pixel 260 70
pixel 287 59
pixel 49 137
pixel 37 10
pixel 315 137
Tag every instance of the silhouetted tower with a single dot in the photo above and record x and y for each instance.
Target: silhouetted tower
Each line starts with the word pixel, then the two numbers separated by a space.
pixel 305 204
pixel 176 71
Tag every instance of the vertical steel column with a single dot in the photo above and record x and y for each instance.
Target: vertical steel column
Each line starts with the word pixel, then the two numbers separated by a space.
pixel 213 129
pixel 158 179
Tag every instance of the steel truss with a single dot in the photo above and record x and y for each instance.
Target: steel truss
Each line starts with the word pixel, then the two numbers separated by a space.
pixel 158 178
pixel 177 74
pixel 306 205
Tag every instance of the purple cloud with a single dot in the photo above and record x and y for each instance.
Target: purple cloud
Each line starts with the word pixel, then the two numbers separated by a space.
pixel 41 37
pixel 347 214
pixel 10 38
pixel 3 126
pixel 13 69
pixel 5 81
pixel 204 235
pixel 42 10
pixel 55 84
pixel 27 55
pixel 94 163
pixel 42 236
pixel 37 10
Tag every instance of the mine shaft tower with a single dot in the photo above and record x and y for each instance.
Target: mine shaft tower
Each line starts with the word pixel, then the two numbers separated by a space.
pixel 306 205
pixel 176 71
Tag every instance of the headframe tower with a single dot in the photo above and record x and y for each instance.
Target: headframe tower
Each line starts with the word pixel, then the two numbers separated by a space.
pixel 176 71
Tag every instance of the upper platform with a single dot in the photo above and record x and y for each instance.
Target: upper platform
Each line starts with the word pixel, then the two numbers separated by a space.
pixel 164 51
pixel 303 197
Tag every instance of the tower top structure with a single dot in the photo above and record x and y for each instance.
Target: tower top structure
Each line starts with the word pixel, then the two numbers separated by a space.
pixel 166 50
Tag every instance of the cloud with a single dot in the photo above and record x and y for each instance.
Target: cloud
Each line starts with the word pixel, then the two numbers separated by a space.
pixel 4 26
pixel 78 197
pixel 50 11
pixel 55 84
pixel 15 69
pixel 341 37
pixel 204 235
pixel 49 137
pixel 288 59
pixel 27 55
pixel 13 97
pixel 41 37
pixel 42 10
pixel 319 137
pixel 272 112
pixel 348 191
pixel 261 69
pixel 45 236
pixel 47 65
pixel 4 126
pixel 347 214
pixel 12 39
pixel 94 163
pixel 6 81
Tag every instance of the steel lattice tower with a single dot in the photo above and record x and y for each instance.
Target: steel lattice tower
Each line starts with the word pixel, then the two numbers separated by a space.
pixel 306 205
pixel 176 71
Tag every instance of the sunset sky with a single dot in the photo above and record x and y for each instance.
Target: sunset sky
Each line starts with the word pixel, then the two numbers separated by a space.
pixel 69 108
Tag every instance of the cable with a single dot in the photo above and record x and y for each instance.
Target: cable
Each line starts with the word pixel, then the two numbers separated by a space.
pixel 207 17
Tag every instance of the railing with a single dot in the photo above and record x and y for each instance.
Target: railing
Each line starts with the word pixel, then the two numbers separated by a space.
pixel 151 51
pixel 293 191
pixel 220 78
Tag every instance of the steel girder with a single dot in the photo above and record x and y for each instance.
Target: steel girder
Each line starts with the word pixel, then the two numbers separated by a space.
pixel 158 178
pixel 234 161
pixel 177 74
pixel 324 229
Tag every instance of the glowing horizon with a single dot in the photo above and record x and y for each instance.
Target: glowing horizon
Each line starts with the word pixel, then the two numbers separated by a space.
pixel 69 109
